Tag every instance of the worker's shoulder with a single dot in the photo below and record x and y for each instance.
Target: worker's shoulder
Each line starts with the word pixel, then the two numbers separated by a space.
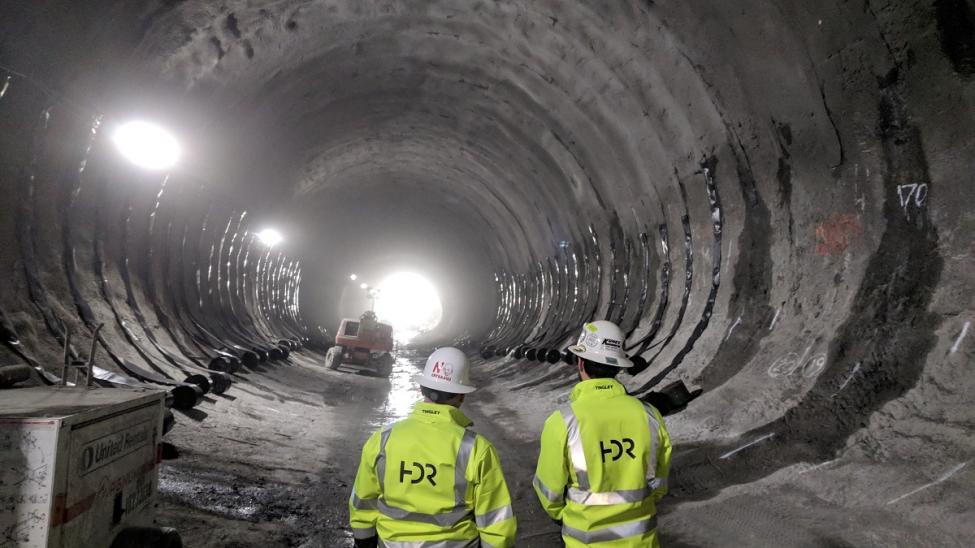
pixel 387 429
pixel 637 404
pixel 481 443
pixel 620 404
pixel 557 417
pixel 373 441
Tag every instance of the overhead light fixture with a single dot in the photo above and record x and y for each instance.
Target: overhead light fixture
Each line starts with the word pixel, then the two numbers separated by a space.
pixel 147 145
pixel 270 237
pixel 364 286
pixel 353 277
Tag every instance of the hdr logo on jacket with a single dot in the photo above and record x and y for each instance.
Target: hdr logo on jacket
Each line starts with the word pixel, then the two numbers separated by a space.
pixel 420 471
pixel 617 448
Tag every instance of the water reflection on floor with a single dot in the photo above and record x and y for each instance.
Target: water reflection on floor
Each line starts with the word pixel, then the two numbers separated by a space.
pixel 403 390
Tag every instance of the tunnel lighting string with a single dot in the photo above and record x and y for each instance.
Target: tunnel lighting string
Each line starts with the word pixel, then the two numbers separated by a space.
pixel 83 108
pixel 49 91
pixel 60 98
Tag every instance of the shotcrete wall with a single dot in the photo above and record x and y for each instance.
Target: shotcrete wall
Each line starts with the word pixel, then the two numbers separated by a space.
pixel 773 199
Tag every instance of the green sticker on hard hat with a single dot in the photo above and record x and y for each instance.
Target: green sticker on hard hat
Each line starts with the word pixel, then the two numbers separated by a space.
pixel 591 327
pixel 611 361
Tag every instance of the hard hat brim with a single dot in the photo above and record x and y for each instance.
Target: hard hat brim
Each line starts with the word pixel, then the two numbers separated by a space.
pixel 448 387
pixel 583 352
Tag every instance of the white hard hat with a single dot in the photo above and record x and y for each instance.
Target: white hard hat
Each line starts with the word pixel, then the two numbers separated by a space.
pixel 602 342
pixel 448 370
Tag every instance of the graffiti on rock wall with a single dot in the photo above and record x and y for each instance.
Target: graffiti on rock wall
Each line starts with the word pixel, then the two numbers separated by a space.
pixel 912 194
pixel 961 336
pixel 834 235
pixel 803 365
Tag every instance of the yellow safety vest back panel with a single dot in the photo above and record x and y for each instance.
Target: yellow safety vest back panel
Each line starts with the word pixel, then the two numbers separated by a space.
pixel 429 482
pixel 603 466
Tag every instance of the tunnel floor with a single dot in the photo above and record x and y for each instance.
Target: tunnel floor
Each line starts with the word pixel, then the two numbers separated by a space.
pixel 272 464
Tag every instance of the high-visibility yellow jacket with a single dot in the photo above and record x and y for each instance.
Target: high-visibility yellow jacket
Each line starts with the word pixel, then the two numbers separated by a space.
pixel 427 481
pixel 603 466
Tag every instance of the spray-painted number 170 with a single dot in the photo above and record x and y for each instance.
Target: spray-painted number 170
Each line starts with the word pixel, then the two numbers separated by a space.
pixel 914 192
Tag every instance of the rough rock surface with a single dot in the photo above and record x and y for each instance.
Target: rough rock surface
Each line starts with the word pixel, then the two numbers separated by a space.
pixel 773 198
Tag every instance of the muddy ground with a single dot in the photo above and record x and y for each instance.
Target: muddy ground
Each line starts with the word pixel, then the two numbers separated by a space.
pixel 271 463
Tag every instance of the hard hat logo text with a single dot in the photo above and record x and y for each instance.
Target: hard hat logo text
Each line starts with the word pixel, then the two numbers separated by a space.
pixel 612 343
pixel 417 472
pixel 443 371
pixel 619 451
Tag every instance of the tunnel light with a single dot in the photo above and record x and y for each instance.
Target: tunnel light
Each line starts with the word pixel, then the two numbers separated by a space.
pixel 270 237
pixel 410 303
pixel 147 145
pixel 353 277
pixel 363 286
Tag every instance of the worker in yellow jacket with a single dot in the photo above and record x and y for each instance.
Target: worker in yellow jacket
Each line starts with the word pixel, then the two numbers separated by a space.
pixel 605 456
pixel 428 481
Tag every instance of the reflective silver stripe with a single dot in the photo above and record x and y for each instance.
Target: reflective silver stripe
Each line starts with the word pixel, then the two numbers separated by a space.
pixel 657 483
pixel 549 494
pixel 654 442
pixel 363 504
pixel 447 519
pixel 473 543
pixel 625 496
pixel 574 440
pixel 615 532
pixel 381 456
pixel 494 516
pixel 363 533
pixel 460 469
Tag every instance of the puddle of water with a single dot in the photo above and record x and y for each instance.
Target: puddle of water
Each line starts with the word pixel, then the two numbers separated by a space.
pixel 224 495
pixel 404 392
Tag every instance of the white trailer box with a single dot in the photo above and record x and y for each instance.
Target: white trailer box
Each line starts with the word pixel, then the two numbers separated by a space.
pixel 77 465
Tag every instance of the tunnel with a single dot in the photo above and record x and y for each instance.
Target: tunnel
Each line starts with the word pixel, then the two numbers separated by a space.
pixel 773 200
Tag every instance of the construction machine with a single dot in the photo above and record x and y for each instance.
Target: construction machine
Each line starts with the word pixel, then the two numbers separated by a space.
pixel 364 345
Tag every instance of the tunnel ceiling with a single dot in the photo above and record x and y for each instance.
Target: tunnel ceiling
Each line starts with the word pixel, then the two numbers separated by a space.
pixel 770 197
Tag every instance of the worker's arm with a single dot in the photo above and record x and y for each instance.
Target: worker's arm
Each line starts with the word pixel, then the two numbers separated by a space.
pixel 365 496
pixel 552 471
pixel 493 514
pixel 663 458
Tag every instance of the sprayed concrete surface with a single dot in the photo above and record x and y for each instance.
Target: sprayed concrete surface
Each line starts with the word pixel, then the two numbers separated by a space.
pixel 773 199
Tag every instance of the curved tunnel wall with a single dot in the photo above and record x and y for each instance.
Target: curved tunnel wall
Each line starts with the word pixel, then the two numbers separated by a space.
pixel 772 199
pixel 185 291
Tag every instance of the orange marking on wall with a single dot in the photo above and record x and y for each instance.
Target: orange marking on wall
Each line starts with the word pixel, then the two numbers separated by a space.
pixel 834 235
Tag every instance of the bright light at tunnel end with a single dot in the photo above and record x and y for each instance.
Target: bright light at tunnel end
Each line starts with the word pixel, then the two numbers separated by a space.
pixel 146 145
pixel 410 303
pixel 270 237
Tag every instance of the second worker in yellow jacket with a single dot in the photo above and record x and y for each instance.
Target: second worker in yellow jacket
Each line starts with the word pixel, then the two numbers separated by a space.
pixel 605 456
